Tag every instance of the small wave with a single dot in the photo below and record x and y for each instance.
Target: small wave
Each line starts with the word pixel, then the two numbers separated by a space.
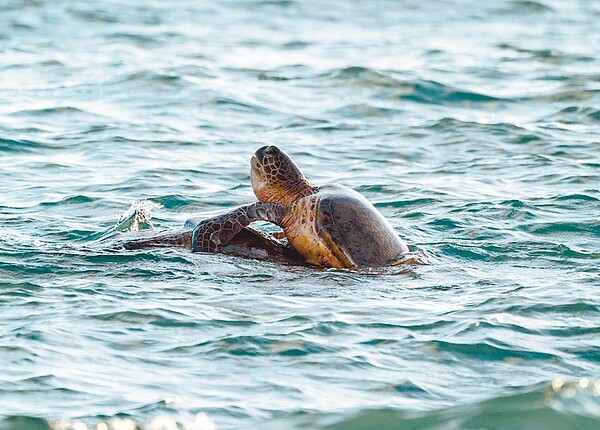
pixel 22 422
pixel 285 73
pixel 147 77
pixel 94 16
pixel 57 110
pixel 363 110
pixel 361 76
pixel 550 406
pixel 549 228
pixel 410 203
pixel 185 421
pixel 575 308
pixel 138 38
pixel 49 63
pixel 56 114
pixel 524 6
pixel 158 317
pixel 483 351
pixel 261 346
pixel 568 94
pixel 390 87
pixel 510 251
pixel 515 209
pixel 18 145
pixel 445 224
pixel 69 200
pixel 432 92
pixel 137 218
pixel 577 196
pixel 549 56
pixel 506 131
pixel 406 388
pixel 575 115
pixel 172 201
pixel 300 122
pixel 241 106
pixel 19 289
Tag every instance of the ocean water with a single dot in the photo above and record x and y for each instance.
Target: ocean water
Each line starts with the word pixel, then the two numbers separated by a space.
pixel 473 126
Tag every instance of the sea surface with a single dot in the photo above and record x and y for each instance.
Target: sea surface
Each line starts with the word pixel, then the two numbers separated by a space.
pixel 473 126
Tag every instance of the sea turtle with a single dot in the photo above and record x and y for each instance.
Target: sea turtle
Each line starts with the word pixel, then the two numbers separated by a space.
pixel 330 225
pixel 228 233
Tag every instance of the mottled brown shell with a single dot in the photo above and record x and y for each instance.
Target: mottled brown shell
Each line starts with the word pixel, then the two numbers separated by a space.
pixel 356 228
pixel 338 227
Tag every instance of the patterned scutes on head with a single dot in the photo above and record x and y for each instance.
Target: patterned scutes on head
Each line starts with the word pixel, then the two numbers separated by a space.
pixel 276 178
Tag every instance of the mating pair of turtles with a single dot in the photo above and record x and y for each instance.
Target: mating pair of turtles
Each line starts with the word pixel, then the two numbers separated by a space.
pixel 330 226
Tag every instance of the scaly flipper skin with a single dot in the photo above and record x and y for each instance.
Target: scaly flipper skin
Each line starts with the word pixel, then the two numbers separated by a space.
pixel 212 234
pixel 249 242
pixel 161 240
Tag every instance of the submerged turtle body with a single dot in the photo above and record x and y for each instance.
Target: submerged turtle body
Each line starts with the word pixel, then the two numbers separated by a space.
pixel 331 225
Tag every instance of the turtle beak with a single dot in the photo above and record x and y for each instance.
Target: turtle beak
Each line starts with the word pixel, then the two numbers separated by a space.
pixel 254 162
pixel 267 151
pixel 261 152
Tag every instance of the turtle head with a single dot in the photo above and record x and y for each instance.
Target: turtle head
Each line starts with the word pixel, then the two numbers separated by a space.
pixel 276 178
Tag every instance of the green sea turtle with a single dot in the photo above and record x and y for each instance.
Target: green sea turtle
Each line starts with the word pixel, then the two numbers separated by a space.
pixel 330 225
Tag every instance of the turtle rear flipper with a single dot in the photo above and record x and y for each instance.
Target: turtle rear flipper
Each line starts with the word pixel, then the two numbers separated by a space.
pixel 251 242
pixel 180 238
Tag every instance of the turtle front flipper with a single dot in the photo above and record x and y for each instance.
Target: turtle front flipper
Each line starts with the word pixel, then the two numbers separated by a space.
pixel 213 233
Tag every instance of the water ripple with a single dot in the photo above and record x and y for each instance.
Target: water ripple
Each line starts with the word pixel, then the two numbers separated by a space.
pixel 472 127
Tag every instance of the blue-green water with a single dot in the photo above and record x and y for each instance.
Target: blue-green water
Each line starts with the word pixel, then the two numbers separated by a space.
pixel 474 126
